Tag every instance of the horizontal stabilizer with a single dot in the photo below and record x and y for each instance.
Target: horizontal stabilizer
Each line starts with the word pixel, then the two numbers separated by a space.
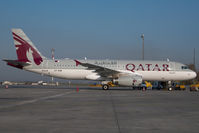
pixel 16 63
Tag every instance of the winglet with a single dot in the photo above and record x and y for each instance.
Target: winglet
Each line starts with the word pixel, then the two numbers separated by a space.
pixel 77 62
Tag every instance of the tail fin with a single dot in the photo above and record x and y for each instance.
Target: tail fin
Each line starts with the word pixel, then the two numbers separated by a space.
pixel 25 49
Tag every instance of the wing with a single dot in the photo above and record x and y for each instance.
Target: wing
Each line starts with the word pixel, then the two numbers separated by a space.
pixel 102 71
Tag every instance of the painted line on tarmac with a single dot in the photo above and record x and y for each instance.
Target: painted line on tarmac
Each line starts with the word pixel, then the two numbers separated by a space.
pixel 36 100
pixel 114 111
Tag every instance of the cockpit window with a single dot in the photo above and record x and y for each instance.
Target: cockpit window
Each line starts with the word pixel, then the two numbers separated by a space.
pixel 185 67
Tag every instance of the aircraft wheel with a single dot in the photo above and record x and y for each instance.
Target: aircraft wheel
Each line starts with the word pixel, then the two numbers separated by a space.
pixel 170 89
pixel 105 87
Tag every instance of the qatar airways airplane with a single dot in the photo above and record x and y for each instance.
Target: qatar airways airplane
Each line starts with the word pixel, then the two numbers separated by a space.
pixel 119 72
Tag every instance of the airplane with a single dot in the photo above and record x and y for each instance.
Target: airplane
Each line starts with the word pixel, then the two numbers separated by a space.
pixel 119 72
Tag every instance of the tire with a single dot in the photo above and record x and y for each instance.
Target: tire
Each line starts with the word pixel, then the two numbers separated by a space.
pixel 105 87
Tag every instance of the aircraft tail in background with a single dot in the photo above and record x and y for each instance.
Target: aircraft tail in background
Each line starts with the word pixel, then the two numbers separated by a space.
pixel 25 49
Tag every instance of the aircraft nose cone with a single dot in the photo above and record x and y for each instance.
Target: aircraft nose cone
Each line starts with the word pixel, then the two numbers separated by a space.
pixel 193 75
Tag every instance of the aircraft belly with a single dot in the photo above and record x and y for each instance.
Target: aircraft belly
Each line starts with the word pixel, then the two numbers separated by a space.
pixel 164 75
pixel 152 75
pixel 64 73
pixel 72 74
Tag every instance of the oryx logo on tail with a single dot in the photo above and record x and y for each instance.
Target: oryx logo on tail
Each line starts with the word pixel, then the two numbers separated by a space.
pixel 26 51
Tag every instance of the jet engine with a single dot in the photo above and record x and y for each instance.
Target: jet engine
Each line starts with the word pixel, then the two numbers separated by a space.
pixel 128 80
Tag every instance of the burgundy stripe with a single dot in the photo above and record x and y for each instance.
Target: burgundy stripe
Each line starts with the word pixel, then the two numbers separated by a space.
pixel 18 36
pixel 18 40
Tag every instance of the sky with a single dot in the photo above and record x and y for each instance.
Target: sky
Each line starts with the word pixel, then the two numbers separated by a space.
pixel 100 29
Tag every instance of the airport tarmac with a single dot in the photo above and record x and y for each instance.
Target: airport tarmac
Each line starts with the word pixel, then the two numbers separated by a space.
pixel 92 110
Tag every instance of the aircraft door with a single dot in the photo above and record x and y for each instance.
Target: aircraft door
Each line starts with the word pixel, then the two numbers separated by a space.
pixel 171 67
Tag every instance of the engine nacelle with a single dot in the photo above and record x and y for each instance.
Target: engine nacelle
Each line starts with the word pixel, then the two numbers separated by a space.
pixel 128 80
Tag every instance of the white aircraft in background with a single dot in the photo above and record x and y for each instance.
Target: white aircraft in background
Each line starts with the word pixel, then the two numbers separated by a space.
pixel 119 72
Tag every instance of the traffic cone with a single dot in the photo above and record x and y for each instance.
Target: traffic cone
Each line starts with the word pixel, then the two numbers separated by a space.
pixel 77 90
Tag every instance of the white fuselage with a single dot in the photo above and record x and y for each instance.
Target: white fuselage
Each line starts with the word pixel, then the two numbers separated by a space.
pixel 149 70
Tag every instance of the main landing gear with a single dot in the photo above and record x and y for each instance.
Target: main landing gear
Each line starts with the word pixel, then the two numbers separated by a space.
pixel 105 87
